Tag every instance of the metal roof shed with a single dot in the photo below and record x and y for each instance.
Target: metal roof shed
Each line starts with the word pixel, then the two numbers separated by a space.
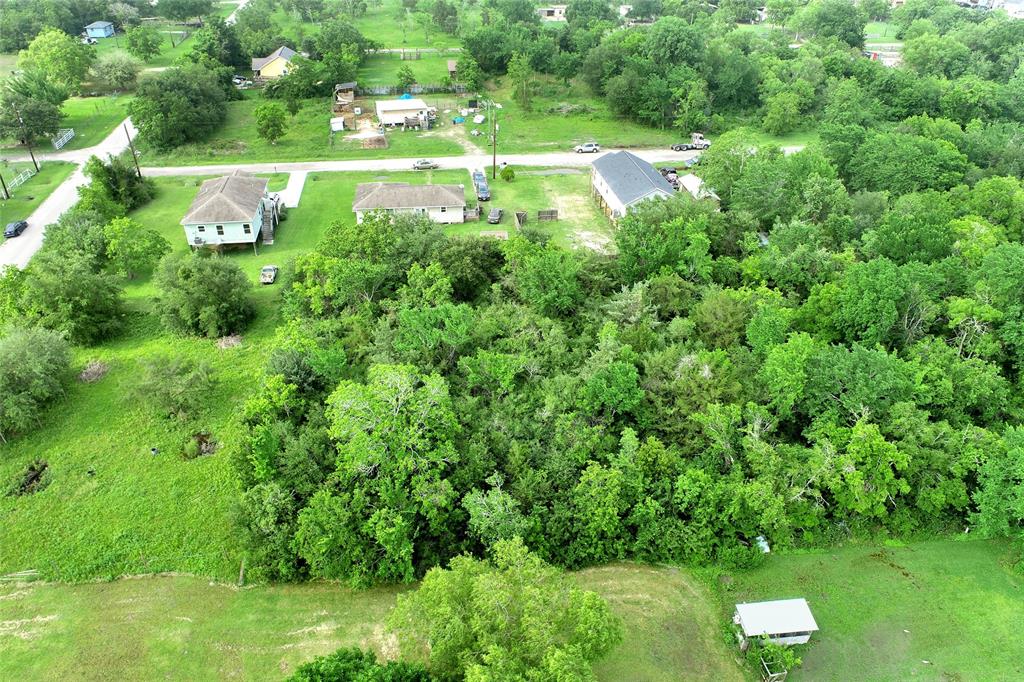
pixel 784 621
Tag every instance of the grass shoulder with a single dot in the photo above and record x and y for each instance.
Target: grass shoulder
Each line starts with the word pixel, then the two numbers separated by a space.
pixel 26 198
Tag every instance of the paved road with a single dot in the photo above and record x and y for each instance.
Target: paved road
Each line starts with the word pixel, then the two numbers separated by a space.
pixel 19 250
pixel 231 18
pixel 466 161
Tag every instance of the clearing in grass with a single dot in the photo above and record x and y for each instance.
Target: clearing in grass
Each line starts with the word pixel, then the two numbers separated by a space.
pixel 26 198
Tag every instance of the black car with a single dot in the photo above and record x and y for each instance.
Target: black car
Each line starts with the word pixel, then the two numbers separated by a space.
pixel 14 229
pixel 483 192
pixel 494 217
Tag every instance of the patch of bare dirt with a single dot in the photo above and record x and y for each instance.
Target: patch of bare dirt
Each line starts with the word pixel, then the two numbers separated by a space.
pixel 595 241
pixel 457 134
pixel 25 628
pixel 94 371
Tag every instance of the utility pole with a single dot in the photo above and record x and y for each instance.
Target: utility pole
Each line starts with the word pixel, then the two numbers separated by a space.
pixel 494 140
pixel 131 146
pixel 7 195
pixel 28 138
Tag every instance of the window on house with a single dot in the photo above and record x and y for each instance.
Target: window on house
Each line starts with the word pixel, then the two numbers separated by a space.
pixel 247 228
pixel 201 228
pixel 220 230
pixel 444 209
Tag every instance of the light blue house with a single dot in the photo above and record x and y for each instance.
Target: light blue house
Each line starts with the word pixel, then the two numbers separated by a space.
pixel 99 29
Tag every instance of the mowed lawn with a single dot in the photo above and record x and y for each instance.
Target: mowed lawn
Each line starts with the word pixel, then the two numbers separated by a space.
pixel 27 197
pixel 942 610
pixel 382 69
pixel 93 118
pixel 183 628
pixel 390 25
pixel 307 139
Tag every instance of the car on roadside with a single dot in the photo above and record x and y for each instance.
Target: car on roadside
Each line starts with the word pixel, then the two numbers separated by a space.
pixel 479 177
pixel 494 217
pixel 14 229
pixel 587 148
pixel 268 274
pixel 483 192
pixel 425 164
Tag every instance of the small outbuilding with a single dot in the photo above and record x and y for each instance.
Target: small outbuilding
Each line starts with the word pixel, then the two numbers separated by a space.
pixel 621 180
pixel 402 111
pixel 453 69
pixel 233 209
pixel 440 203
pixel 99 29
pixel 696 187
pixel 344 95
pixel 784 621
pixel 274 65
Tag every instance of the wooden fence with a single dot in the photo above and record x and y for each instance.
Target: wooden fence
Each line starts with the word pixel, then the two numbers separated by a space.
pixel 471 214
pixel 416 89
pixel 547 215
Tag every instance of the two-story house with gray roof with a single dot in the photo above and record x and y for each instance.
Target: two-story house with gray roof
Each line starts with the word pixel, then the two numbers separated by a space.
pixel 621 180
pixel 233 209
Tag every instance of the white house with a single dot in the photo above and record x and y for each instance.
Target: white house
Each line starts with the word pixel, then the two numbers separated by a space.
pixel 552 12
pixel 621 180
pixel 440 203
pixel 394 112
pixel 784 621
pixel 233 209
pixel 696 187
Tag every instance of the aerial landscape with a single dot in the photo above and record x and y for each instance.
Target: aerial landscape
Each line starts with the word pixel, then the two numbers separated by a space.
pixel 497 340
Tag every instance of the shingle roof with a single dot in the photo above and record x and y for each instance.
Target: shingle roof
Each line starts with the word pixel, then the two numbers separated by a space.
pixel 776 617
pixel 231 199
pixel 695 186
pixel 284 52
pixel 372 195
pixel 629 177
pixel 99 24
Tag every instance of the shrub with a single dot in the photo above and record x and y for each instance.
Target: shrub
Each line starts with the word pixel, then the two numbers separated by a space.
pixel 173 386
pixel 356 665
pixel 33 368
pixel 203 295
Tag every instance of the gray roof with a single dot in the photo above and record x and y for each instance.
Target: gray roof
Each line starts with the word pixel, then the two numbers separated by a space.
pixel 629 177
pixel 776 617
pixel 233 198
pixel 284 51
pixel 99 24
pixel 371 195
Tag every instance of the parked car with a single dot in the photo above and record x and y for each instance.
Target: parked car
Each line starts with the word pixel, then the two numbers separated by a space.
pixel 697 141
pixel 587 148
pixel 479 177
pixel 14 229
pixel 494 217
pixel 424 164
pixel 691 162
pixel 238 80
pixel 483 193
pixel 268 274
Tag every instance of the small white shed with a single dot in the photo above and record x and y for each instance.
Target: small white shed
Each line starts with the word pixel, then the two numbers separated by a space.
pixel 783 621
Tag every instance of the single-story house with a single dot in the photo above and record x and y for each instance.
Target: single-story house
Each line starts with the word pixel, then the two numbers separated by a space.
pixel 552 12
pixel 233 209
pixel 696 187
pixel 784 621
pixel 440 203
pixel 398 112
pixel 99 29
pixel 621 180
pixel 274 65
pixel 453 69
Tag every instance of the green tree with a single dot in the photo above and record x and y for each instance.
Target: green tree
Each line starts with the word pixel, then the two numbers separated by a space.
pixel 173 386
pixel 468 72
pixel 27 119
pixel 142 42
pixel 406 78
pixel 271 121
pixel 64 292
pixel 901 163
pixel 546 277
pixel 118 70
pixel 34 84
pixel 521 74
pixel 117 180
pixel 781 113
pixel 206 296
pixel 832 19
pixel 132 248
pixel 934 55
pixel 32 374
pixel 62 58
pixel 354 664
pixel 183 10
pixel 1000 495
pixel 511 617
pixel 179 105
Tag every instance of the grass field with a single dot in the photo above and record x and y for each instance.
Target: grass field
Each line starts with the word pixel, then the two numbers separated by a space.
pixel 307 139
pixel 382 24
pixel 881 32
pixel 8 62
pixel 93 118
pixel 27 197
pixel 382 69
pixel 941 610
pixel 181 628
pixel 546 128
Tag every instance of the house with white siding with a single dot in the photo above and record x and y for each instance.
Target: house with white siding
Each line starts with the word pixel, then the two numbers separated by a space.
pixel 400 112
pixel 783 621
pixel 621 180
pixel 441 203
pixel 233 209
